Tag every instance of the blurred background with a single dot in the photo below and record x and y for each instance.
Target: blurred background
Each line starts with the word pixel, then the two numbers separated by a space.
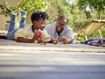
pixel 79 12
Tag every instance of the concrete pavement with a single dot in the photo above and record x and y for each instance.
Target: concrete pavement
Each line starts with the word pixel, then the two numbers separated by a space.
pixel 13 45
pixel 21 64
pixel 35 61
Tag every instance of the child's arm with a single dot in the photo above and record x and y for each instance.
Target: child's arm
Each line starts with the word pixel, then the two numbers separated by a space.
pixel 25 40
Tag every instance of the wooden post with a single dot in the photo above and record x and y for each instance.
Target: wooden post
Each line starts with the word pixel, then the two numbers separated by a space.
pixel 100 33
pixel 85 34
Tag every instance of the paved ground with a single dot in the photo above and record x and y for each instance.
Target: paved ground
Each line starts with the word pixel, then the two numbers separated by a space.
pixel 13 45
pixel 20 64
pixel 35 61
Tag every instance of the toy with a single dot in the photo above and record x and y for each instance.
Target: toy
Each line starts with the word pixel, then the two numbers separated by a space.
pixel 54 41
pixel 38 32
pixel 42 35
pixel 42 43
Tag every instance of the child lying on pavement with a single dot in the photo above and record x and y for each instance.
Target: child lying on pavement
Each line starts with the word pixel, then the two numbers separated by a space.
pixel 30 33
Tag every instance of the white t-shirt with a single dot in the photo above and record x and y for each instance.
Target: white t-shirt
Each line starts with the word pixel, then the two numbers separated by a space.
pixel 67 32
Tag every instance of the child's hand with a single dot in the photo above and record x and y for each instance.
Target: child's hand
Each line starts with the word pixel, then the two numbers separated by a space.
pixel 63 40
pixel 35 37
pixel 40 41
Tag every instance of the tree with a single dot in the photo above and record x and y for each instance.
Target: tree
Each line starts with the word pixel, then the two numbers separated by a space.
pixel 27 5
pixel 95 6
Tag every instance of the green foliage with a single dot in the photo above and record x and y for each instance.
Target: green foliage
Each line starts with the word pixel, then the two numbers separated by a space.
pixel 33 5
pixel 80 38
pixel 27 5
pixel 94 5
pixel 5 8
pixel 61 8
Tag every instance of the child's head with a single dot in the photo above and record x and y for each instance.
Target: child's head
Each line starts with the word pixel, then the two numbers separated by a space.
pixel 39 19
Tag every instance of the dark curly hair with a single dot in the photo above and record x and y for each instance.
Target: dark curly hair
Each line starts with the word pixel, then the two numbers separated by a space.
pixel 39 15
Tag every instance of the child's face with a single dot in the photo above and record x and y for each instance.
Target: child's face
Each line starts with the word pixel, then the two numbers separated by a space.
pixel 40 24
